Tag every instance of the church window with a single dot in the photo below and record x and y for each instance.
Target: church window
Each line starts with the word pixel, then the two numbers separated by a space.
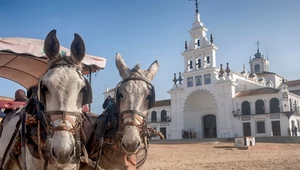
pixel 260 127
pixel 190 82
pixel 153 116
pixel 274 105
pixel 163 115
pixel 207 59
pixel 190 64
pixel 207 79
pixel 284 96
pixel 198 80
pixel 259 107
pixel 198 64
pixel 197 43
pixel 257 68
pixel 246 108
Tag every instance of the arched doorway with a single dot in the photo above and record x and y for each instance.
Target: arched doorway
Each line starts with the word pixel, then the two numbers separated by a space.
pixel 209 126
pixel 198 104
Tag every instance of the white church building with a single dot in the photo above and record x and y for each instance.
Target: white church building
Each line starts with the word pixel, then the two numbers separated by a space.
pixel 217 102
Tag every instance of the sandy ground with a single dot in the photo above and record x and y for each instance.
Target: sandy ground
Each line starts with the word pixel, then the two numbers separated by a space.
pixel 223 156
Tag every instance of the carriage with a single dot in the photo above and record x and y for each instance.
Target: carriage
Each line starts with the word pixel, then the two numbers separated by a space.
pixel 118 138
pixel 23 61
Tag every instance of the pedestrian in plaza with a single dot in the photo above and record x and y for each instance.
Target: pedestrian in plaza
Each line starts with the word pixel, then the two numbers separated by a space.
pixel 295 131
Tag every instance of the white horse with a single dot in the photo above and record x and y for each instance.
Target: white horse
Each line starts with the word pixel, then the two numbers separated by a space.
pixel 134 95
pixel 125 141
pixel 61 92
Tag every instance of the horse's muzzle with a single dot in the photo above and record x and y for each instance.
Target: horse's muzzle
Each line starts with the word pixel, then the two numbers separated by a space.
pixel 63 158
pixel 131 148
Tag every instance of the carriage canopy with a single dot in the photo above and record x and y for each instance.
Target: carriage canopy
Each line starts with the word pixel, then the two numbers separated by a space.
pixel 23 61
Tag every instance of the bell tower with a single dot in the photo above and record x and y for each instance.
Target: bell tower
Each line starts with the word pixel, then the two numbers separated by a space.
pixel 200 53
pixel 259 63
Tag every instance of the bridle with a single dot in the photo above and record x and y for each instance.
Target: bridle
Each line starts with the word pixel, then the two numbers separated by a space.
pixel 49 116
pixel 134 114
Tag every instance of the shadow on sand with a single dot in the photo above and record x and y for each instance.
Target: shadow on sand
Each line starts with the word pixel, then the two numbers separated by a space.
pixel 232 147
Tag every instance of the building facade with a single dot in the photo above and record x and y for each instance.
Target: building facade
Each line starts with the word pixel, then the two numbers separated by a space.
pixel 214 102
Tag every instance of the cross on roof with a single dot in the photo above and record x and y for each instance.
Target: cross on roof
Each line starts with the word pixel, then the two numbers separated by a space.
pixel 196 4
pixel 257 43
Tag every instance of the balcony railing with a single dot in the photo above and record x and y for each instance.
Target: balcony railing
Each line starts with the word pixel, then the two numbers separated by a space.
pixel 238 114
pixel 160 121
pixel 295 110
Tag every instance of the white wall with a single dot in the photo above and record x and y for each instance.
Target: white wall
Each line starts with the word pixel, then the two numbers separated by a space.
pixel 268 125
pixel 109 93
pixel 245 83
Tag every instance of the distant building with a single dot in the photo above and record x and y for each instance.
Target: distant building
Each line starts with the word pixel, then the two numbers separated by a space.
pixel 3 98
pixel 215 101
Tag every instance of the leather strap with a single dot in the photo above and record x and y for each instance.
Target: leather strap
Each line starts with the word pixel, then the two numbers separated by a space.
pixel 63 113
pixel 67 117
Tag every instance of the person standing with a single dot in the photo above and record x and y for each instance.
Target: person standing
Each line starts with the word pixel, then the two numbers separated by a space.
pixel 20 96
pixel 295 130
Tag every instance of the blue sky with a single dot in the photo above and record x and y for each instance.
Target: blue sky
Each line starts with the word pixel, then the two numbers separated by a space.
pixel 143 31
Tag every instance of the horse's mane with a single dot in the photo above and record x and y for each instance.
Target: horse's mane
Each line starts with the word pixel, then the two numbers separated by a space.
pixel 136 68
pixel 136 71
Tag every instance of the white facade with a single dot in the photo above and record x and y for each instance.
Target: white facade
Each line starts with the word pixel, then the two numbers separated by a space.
pixel 216 101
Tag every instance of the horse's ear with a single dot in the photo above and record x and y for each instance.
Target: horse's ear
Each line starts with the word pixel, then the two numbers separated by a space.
pixel 77 49
pixel 152 70
pixel 123 69
pixel 51 45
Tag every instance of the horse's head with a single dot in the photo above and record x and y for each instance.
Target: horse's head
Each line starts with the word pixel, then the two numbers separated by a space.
pixel 134 96
pixel 62 90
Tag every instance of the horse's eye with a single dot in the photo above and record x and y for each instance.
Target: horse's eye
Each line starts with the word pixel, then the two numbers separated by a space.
pixel 84 89
pixel 44 88
pixel 121 95
pixel 148 97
